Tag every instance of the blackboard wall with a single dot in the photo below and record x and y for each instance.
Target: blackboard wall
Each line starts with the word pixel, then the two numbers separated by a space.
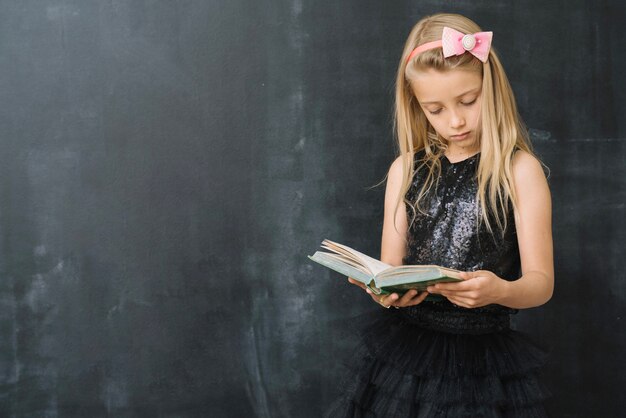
pixel 166 166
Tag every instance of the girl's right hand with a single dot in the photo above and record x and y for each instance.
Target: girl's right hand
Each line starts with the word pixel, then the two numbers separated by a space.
pixel 410 298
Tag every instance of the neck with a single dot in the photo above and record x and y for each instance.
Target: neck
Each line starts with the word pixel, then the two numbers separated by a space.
pixel 459 152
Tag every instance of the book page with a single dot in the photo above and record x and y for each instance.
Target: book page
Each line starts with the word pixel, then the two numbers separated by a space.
pixel 415 274
pixel 374 265
pixel 337 263
pixel 349 262
pixel 345 255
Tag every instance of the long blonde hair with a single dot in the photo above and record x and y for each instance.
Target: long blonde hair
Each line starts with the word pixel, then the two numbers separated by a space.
pixel 501 131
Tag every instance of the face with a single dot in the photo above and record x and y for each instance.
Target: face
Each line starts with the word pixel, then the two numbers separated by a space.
pixel 451 101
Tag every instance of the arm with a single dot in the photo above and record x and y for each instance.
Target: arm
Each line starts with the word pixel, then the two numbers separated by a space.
pixel 534 234
pixel 393 245
pixel 533 223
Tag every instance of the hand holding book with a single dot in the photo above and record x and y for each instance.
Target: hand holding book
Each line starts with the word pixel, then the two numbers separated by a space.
pixel 410 298
pixel 381 278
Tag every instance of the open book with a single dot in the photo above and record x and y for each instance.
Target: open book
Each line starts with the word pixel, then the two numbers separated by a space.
pixel 379 277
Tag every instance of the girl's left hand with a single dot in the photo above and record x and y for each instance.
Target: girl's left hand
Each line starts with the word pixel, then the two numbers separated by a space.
pixel 478 288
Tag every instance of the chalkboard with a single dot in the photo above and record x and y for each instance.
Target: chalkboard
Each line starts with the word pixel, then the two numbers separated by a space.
pixel 167 166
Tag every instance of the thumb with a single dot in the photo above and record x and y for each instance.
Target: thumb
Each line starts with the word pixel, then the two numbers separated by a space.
pixel 466 275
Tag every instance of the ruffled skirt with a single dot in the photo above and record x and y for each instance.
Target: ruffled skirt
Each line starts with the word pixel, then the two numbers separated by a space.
pixel 427 362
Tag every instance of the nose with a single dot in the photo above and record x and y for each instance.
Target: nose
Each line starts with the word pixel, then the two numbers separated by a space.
pixel 457 120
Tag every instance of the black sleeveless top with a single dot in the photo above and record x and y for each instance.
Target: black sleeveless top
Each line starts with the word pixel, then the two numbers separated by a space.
pixel 450 236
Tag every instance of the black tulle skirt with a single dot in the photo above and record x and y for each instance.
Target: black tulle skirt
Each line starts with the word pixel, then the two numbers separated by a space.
pixel 433 360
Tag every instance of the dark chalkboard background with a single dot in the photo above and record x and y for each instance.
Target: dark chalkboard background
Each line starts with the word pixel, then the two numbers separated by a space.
pixel 166 166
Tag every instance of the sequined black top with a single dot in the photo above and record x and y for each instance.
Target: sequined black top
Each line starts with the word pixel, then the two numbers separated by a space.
pixel 450 235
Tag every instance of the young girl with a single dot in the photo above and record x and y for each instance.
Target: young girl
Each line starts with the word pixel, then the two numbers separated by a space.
pixel 466 192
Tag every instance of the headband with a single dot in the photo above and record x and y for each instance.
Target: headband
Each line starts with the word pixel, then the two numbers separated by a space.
pixel 454 42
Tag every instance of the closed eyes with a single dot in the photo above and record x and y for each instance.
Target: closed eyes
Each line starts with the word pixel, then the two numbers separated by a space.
pixel 465 104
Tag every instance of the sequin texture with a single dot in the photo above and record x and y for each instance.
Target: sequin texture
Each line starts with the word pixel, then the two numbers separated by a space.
pixel 450 235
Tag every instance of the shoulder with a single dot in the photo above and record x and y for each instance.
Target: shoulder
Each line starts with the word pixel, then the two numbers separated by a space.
pixel 526 167
pixel 397 166
pixel 531 184
pixel 407 158
pixel 398 170
pixel 397 163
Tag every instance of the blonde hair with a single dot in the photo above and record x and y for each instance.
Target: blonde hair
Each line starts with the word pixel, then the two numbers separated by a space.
pixel 501 131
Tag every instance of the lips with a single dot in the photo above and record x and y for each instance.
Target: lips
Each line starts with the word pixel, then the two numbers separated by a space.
pixel 460 135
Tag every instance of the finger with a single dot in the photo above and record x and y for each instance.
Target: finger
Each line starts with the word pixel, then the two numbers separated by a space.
pixel 406 298
pixel 389 300
pixel 469 295
pixel 410 298
pixel 464 302
pixel 455 287
pixel 356 282
pixel 417 300
pixel 376 298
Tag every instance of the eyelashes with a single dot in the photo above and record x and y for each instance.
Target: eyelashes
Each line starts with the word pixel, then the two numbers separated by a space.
pixel 464 104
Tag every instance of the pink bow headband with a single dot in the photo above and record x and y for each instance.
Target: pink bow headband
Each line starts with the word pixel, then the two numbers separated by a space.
pixel 454 42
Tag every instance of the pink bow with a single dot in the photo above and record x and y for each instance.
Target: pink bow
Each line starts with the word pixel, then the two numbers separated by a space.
pixel 454 42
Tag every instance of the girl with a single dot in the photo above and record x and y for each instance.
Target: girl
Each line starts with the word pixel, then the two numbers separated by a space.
pixel 466 192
